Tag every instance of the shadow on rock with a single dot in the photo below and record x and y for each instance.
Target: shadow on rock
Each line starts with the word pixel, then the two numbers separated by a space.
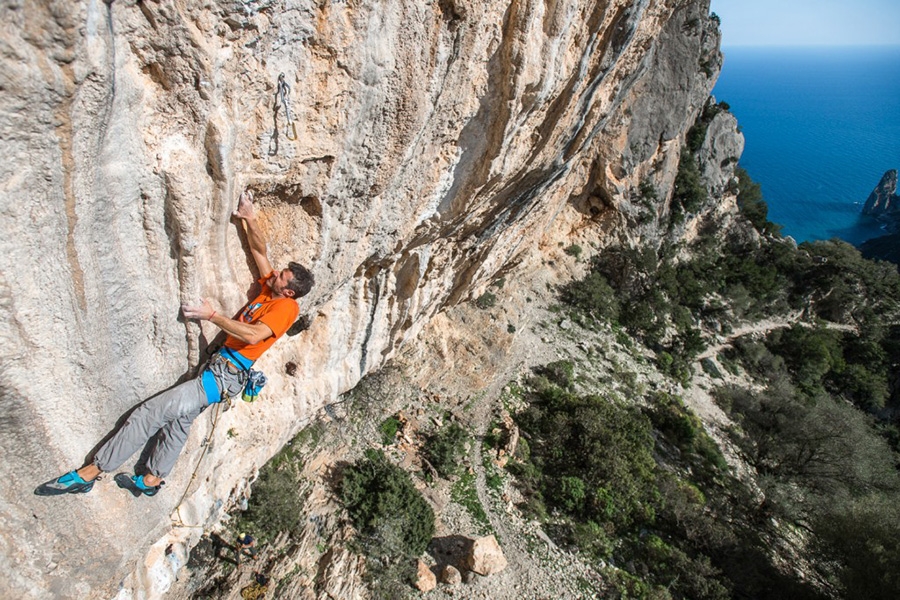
pixel 450 550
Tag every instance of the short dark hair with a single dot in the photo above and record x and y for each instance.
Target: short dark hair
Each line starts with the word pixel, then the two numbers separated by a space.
pixel 301 282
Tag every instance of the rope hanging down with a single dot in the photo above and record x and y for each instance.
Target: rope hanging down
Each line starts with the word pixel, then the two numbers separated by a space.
pixel 178 521
pixel 283 94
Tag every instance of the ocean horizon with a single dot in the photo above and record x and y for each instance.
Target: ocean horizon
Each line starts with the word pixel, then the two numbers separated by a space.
pixel 821 127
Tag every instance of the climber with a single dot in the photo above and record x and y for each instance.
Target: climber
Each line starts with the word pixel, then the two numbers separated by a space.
pixel 245 545
pixel 169 415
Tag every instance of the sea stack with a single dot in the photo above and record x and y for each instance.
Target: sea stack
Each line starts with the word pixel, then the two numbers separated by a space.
pixel 884 204
pixel 883 199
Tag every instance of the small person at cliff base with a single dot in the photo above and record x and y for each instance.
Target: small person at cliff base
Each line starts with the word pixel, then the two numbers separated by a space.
pixel 169 415
pixel 245 545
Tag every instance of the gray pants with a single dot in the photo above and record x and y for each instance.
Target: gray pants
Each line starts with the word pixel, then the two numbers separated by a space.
pixel 169 413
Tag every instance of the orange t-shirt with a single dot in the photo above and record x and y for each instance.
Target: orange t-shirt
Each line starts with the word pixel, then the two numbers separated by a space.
pixel 279 314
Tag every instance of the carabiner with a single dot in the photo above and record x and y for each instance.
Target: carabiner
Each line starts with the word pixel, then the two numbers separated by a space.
pixel 283 93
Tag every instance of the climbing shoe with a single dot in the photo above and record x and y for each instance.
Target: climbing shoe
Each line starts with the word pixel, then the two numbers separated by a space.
pixel 70 483
pixel 135 485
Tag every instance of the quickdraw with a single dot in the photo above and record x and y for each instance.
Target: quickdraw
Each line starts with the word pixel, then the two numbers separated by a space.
pixel 283 94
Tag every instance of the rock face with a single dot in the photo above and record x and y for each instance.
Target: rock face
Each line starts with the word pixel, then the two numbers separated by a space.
pixel 437 142
pixel 883 200
pixel 720 149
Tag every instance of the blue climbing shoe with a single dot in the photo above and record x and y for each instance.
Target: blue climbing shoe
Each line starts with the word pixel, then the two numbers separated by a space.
pixel 70 483
pixel 135 485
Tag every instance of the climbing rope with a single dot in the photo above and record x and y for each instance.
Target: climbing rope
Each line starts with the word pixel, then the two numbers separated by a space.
pixel 283 94
pixel 179 522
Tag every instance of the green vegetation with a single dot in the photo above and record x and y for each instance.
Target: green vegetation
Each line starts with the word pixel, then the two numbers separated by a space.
pixel 640 483
pixel 277 502
pixel 751 204
pixel 863 535
pixel 697 133
pixel 486 300
pixel 394 521
pixel 648 192
pixel 592 465
pixel 561 373
pixel 669 304
pixel 445 449
pixel 819 426
pixel 658 298
pixel 388 429
pixel 464 493
pixel 683 430
pixel 690 193
pixel 387 509
pixel 823 465
pixel 574 250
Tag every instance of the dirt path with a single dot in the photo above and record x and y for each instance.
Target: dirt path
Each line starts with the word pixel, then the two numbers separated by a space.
pixel 764 327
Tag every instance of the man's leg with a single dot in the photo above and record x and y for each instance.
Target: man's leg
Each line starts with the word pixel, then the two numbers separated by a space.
pixel 146 420
pixel 172 438
pixel 141 425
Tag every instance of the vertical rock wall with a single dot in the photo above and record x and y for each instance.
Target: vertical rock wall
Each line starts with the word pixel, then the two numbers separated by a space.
pixel 436 142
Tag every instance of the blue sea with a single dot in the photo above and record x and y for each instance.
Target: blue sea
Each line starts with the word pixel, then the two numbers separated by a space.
pixel 821 127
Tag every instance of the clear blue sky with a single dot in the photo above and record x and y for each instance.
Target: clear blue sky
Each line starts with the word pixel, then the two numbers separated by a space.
pixel 809 22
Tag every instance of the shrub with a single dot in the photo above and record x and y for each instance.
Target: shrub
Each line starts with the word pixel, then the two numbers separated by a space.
pixel 486 300
pixel 391 515
pixel 846 287
pixel 810 354
pixel 690 193
pixel 388 429
pixel 684 429
pixel 697 133
pixel 277 502
pixel 593 295
pixel 751 204
pixel 574 250
pixel 592 538
pixel 864 535
pixel 445 448
pixel 492 478
pixel 570 494
pixel 605 445
pixel 648 192
pixel 561 373
pixel 529 480
pixel 686 576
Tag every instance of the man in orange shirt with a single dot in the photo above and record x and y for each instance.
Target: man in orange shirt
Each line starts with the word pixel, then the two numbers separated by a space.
pixel 169 415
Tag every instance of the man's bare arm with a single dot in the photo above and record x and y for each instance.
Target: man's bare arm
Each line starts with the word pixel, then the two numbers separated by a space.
pixel 249 333
pixel 255 237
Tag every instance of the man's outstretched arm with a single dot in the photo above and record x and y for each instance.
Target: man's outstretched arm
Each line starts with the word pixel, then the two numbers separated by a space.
pixel 249 333
pixel 255 238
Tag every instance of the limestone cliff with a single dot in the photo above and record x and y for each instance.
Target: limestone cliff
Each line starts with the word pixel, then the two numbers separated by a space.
pixel 437 142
